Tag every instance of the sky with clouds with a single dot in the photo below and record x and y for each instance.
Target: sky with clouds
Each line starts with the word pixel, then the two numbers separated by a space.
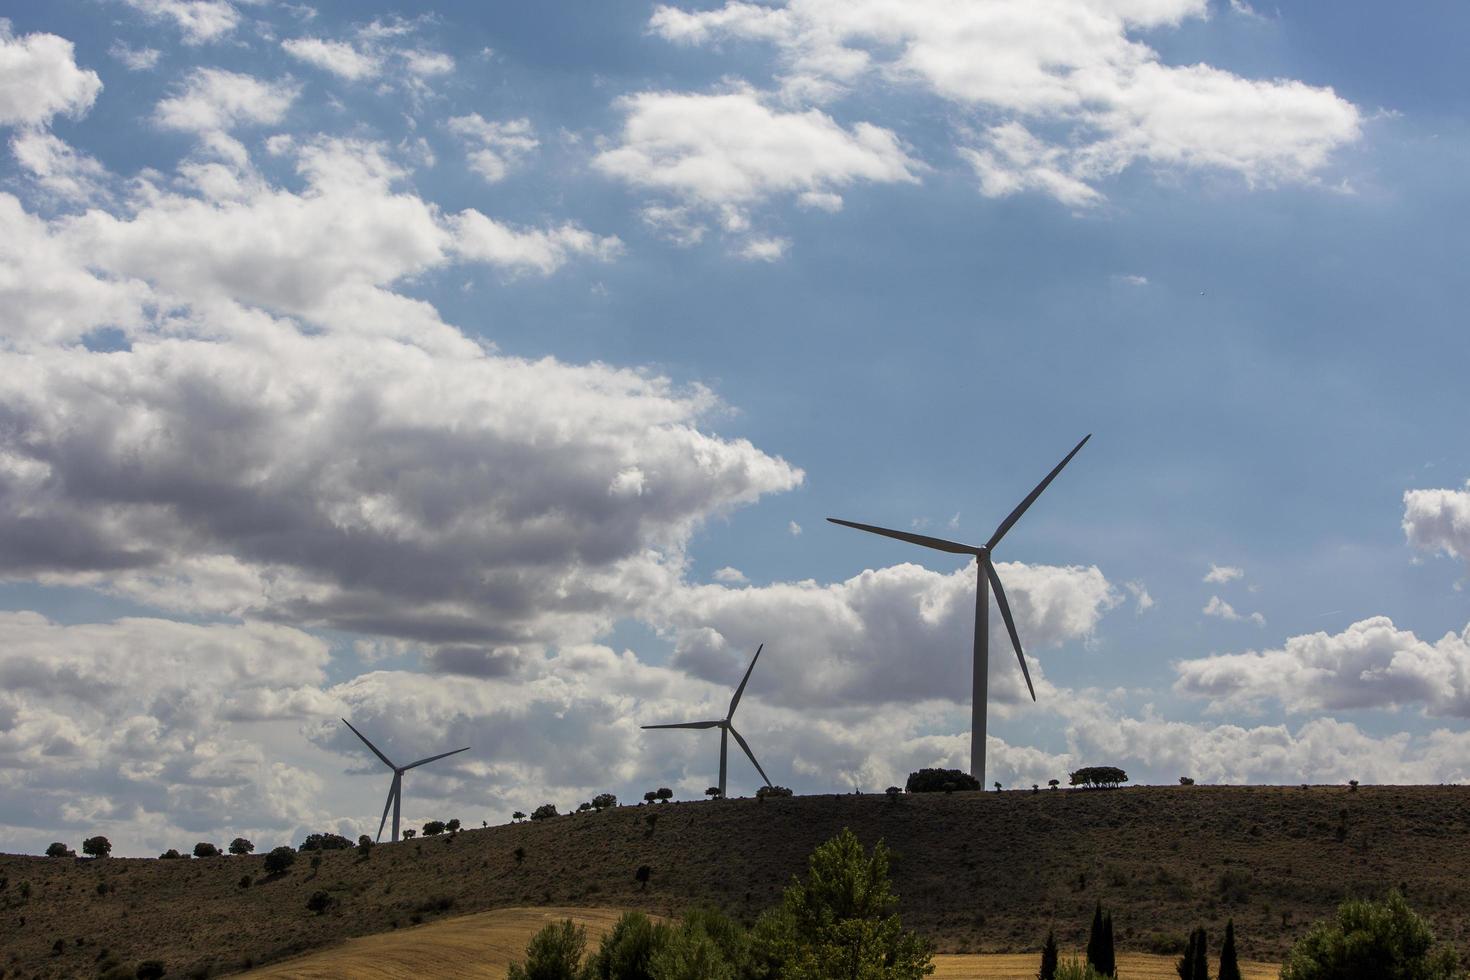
pixel 485 376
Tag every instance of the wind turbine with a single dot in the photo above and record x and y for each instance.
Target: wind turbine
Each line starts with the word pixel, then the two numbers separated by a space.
pixel 726 728
pixel 395 792
pixel 984 578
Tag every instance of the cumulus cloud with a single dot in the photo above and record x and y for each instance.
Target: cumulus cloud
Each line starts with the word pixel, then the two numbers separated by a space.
pixel 1220 574
pixel 1077 71
pixel 1438 521
pixel 482 239
pixel 57 168
pixel 338 57
pixel 725 152
pixel 1142 601
pixel 1221 609
pixel 1371 664
pixel 39 78
pixel 494 147
pixel 135 59
pixel 215 99
pixel 200 21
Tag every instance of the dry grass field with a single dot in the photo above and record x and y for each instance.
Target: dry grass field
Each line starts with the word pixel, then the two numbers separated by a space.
pixel 483 945
pixel 976 872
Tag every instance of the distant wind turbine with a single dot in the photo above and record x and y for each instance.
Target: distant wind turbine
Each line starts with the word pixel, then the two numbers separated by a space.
pixel 395 792
pixel 726 728
pixel 985 576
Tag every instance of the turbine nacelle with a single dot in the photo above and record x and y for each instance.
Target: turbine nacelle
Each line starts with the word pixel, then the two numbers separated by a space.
pixel 395 791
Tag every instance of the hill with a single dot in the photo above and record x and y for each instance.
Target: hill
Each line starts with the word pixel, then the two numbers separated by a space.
pixel 975 872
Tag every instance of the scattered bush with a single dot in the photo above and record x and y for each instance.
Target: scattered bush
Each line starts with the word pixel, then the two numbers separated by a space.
pixel 1185 781
pixel 204 849
pixel 1383 940
pixel 604 801
pixel 1098 776
pixel 555 953
pixel 149 970
pixel 769 791
pixel 544 812
pixel 934 780
pixel 279 859
pixel 319 902
pixel 241 846
pixel 172 854
pixel 97 847
pixel 433 828
pixel 57 850
pixel 116 972
pixel 325 842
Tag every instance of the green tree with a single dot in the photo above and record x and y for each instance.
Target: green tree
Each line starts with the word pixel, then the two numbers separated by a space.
pixel 241 846
pixel 57 850
pixel 544 812
pixel 841 921
pixel 204 849
pixel 433 828
pixel 1381 940
pixel 1193 965
pixel 1095 938
pixel 626 950
pixel 1108 966
pixel 279 859
pixel 555 953
pixel 1048 969
pixel 604 801
pixel 1229 968
pixel 98 846
pixel 706 945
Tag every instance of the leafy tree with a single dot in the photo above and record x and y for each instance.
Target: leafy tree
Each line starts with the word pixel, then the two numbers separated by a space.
pixel 410 834
pixel 604 801
pixel 433 828
pixel 1186 781
pixel 172 854
pixel 1229 968
pixel 57 850
pixel 555 953
pixel 1035 788
pixel 98 847
pixel 1100 952
pixel 1352 785
pixel 665 794
pixel 518 816
pixel 584 807
pixel 625 952
pixel 1098 776
pixel 452 825
pixel 204 849
pixel 279 859
pixel 1384 940
pixel 893 793
pixel 997 787
pixel 319 902
pixel 706 945
pixel 544 812
pixel 933 780
pixel 842 920
pixel 651 796
pixel 1053 783
pixel 365 846
pixel 241 846
pixel 325 842
pixel 713 792
pixel 1048 969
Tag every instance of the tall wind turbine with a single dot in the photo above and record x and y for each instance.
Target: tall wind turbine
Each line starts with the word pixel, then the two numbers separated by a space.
pixel 726 728
pixel 395 792
pixel 984 578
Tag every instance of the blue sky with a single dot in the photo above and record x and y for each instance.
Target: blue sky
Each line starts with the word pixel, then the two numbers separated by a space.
pixel 486 376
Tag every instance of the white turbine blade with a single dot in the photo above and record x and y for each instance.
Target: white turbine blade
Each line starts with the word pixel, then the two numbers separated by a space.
pixel 370 745
pixel 1005 613
pixel 387 804
pixel 1015 516
pixel 689 724
pixel 939 544
pixel 750 755
pixel 741 689
pixel 432 758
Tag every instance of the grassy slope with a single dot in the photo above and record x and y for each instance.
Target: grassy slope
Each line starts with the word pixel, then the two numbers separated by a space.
pixel 976 872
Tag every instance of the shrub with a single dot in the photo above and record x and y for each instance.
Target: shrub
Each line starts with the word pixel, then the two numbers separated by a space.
pixel 204 849
pixel 604 801
pixel 771 791
pixel 279 859
pixel 1035 788
pixel 433 828
pixel 1185 781
pixel 1383 940
pixel 1235 886
pixel 316 861
pixel 325 842
pixel 98 846
pixel 665 794
pixel 452 825
pixel 245 881
pixel 520 854
pixel 933 780
pixel 1352 785
pixel 518 816
pixel 705 945
pixel 241 846
pixel 364 846
pixel 409 834
pixel 57 850
pixel 1074 969
pixel 642 875
pixel 555 953
pixel 544 812
pixel 172 854
pixel 319 902
pixel 116 972
pixel 1098 776
pixel 893 793
pixel 149 970
pixel 626 951
pixel 652 820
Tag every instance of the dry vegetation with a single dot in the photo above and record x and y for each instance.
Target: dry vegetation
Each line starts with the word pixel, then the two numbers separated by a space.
pixel 976 872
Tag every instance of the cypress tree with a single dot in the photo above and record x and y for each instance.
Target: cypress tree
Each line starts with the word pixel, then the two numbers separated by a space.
pixel 1200 969
pixel 1185 966
pixel 1095 938
pixel 1048 969
pixel 1229 969
pixel 1109 965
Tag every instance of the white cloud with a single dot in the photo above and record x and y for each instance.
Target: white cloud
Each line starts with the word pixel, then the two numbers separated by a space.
pixel 214 99
pixel 1438 520
pixel 57 168
pixel 729 151
pixel 730 576
pixel 1076 68
pixel 1371 664
pixel 425 64
pixel 200 21
pixel 764 249
pixel 39 78
pixel 1220 574
pixel 337 57
pixel 135 59
pixel 482 239
pixel 494 147
pixel 793 528
pixel 1142 601
pixel 1221 609
pixel 1133 280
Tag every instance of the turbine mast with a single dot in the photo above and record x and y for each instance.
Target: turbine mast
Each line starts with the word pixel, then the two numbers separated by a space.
pixel 980 679
pixel 724 750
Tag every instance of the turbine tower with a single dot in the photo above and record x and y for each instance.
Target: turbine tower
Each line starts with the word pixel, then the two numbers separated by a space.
pixel 984 578
pixel 395 792
pixel 726 728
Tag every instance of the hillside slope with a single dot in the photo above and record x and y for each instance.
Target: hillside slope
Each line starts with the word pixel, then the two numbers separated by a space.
pixel 975 871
